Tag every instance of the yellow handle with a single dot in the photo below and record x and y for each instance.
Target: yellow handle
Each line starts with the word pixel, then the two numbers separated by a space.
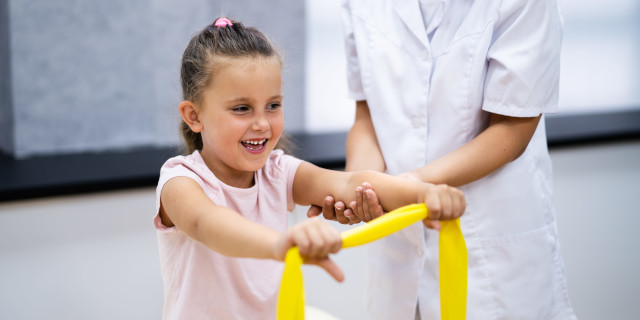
pixel 385 225
pixel 291 296
pixel 452 262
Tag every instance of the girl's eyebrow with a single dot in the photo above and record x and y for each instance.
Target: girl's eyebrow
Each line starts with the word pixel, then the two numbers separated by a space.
pixel 244 99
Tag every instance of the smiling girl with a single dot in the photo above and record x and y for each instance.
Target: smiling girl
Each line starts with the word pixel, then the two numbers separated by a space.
pixel 221 210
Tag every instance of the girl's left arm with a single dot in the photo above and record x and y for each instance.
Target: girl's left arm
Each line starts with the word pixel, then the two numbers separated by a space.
pixel 312 184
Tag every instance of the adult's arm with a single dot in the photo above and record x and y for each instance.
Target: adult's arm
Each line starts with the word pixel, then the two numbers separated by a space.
pixel 504 140
pixel 363 153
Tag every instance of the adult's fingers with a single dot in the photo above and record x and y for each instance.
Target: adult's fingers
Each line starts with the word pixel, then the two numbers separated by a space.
pixel 353 218
pixel 339 209
pixel 361 205
pixel 341 215
pixel 372 201
pixel 328 208
pixel 314 211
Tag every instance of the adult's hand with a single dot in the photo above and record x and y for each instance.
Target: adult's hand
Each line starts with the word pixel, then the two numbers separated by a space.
pixel 336 212
pixel 366 206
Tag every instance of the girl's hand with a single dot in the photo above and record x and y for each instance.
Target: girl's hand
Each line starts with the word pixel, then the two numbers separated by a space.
pixel 431 224
pixel 444 203
pixel 368 205
pixel 315 239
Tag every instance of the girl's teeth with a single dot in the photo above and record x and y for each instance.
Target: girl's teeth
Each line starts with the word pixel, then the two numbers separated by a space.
pixel 256 142
pixel 254 145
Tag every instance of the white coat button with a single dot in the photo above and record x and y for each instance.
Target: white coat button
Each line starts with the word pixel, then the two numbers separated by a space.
pixel 419 251
pixel 415 122
pixel 424 55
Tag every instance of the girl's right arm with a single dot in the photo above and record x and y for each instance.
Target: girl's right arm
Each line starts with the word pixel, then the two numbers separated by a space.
pixel 184 204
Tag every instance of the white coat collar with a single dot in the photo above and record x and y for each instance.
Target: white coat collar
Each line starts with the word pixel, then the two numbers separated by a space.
pixel 409 12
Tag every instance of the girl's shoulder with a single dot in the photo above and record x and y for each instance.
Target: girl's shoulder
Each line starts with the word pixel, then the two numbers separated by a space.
pixel 280 164
pixel 192 162
pixel 191 166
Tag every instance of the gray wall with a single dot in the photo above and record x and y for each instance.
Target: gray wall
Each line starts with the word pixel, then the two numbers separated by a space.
pixel 91 76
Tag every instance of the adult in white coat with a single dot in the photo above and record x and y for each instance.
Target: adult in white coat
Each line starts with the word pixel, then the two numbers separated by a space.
pixel 453 92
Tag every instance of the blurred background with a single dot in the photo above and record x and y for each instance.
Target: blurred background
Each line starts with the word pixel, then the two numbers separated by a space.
pixel 88 96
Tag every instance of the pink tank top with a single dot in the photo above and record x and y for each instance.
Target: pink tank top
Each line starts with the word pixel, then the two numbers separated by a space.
pixel 199 283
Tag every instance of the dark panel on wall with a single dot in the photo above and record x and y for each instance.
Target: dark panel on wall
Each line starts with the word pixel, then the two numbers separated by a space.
pixel 6 110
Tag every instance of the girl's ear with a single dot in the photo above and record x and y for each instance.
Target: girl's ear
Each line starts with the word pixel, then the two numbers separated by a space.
pixel 190 115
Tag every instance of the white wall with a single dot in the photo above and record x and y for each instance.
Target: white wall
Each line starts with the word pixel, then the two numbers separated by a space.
pixel 588 83
pixel 94 256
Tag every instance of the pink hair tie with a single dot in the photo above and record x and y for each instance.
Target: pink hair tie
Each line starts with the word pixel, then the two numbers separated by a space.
pixel 222 22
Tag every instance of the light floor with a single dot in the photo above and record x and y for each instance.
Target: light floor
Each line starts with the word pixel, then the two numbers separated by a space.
pixel 94 256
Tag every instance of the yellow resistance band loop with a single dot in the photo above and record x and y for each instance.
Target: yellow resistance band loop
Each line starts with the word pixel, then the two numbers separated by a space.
pixel 453 262
pixel 291 296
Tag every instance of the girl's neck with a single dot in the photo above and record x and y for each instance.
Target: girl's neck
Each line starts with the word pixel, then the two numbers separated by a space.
pixel 229 176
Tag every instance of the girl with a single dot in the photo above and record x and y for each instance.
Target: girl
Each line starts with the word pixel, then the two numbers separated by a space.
pixel 220 219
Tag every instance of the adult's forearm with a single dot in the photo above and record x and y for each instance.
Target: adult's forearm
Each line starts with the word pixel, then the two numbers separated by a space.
pixel 503 141
pixel 363 151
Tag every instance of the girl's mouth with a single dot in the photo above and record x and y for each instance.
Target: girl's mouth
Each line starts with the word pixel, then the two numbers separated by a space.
pixel 255 146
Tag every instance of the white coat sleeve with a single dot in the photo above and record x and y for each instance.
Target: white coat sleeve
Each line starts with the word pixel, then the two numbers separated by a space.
pixel 354 80
pixel 524 59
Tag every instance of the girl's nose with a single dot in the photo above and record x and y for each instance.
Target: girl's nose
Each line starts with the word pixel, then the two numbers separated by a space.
pixel 260 123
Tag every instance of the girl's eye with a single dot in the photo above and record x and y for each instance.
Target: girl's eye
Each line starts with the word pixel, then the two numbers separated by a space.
pixel 274 106
pixel 241 108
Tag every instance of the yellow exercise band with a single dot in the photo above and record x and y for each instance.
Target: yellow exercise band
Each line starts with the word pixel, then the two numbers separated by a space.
pixel 452 262
pixel 291 296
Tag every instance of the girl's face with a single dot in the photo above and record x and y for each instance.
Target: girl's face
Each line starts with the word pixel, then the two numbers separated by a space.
pixel 242 118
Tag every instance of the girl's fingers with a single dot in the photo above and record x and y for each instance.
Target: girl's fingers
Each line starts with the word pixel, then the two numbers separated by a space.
pixel 333 240
pixel 301 239
pixel 432 224
pixel 433 203
pixel 461 204
pixel 316 238
pixel 330 267
pixel 446 204
pixel 324 241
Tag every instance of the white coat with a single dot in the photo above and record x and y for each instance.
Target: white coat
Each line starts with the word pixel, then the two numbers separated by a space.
pixel 430 94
